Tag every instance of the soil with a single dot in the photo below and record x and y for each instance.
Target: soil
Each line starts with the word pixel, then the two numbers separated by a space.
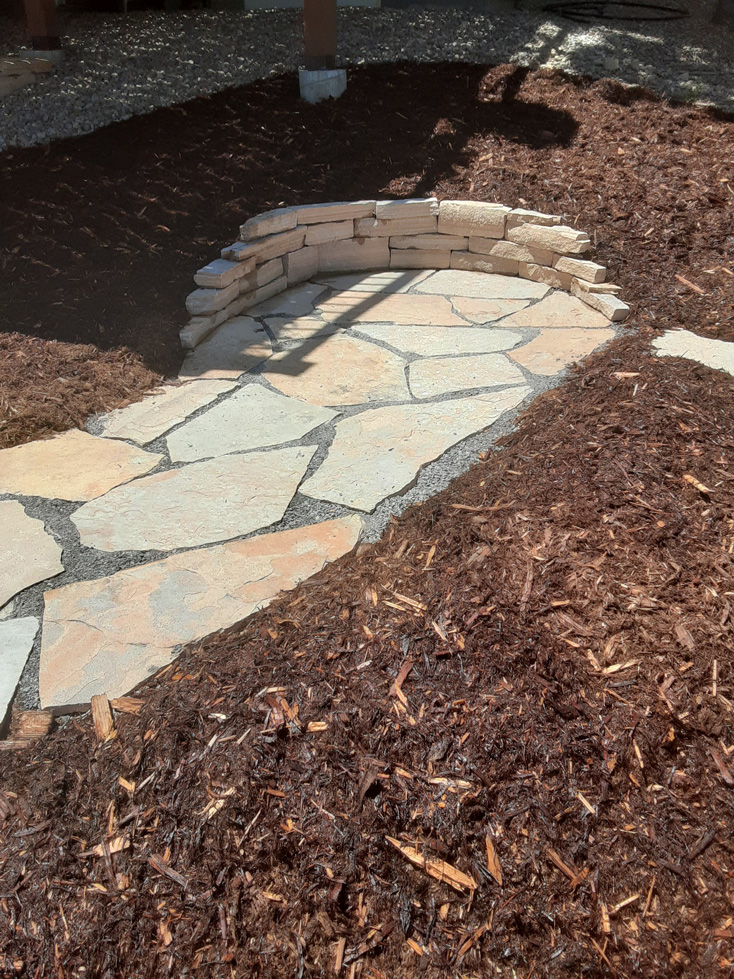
pixel 499 741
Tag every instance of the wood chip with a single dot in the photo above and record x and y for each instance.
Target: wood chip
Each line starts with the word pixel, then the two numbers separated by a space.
pixel 104 722
pixel 438 869
pixel 493 864
pixel 697 484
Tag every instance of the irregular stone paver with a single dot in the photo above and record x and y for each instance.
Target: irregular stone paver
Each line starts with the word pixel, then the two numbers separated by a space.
pixel 379 451
pixel 304 328
pixel 148 419
pixel 73 466
pixel 558 311
pixel 433 341
pixel 199 504
pixel 338 370
pixel 481 285
pixel 16 643
pixel 446 375
pixel 388 282
pixel 297 301
pixel 107 635
pixel 552 350
pixel 365 307
pixel 718 354
pixel 234 348
pixel 28 553
pixel 486 310
pixel 254 417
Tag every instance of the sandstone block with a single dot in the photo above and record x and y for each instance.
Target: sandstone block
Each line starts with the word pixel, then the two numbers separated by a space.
pixel 338 211
pixel 241 251
pixel 320 234
pixel 472 218
pixel 268 271
pixel 483 263
pixel 541 273
pixel 205 301
pixel 301 265
pixel 275 246
pixel 589 271
pixel 269 223
pixel 221 273
pixel 268 291
pixel 519 215
pixel 508 249
pixel 419 208
pixel 199 327
pixel 606 304
pixel 560 239
pixel 354 254
pixel 371 228
pixel 609 288
pixel 430 242
pixel 415 258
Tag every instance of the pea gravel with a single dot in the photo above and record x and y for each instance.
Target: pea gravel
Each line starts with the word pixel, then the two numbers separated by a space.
pixel 117 66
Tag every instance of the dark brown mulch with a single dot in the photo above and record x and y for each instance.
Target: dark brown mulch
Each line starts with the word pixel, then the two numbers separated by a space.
pixel 558 624
pixel 100 236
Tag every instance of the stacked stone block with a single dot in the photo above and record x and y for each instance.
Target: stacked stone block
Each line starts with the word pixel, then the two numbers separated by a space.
pixel 288 245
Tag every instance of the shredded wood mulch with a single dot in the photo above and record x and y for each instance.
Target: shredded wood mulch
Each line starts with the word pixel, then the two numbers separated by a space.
pixel 498 742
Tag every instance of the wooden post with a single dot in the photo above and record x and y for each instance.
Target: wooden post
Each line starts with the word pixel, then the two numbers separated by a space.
pixel 319 34
pixel 43 24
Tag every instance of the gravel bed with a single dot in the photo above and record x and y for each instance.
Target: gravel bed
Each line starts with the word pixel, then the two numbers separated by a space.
pixel 118 66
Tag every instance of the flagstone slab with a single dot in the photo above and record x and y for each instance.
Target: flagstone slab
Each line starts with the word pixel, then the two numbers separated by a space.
pixel 553 350
pixel 199 504
pixel 365 307
pixel 481 285
pixel 149 419
pixel 107 635
pixel 379 452
pixel 297 301
pixel 16 643
pixel 233 349
pixel 449 375
pixel 718 354
pixel 73 466
pixel 486 310
pixel 437 341
pixel 558 311
pixel 303 328
pixel 28 554
pixel 338 370
pixel 388 282
pixel 252 418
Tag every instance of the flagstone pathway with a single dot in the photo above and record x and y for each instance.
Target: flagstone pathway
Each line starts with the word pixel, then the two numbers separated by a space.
pixel 292 433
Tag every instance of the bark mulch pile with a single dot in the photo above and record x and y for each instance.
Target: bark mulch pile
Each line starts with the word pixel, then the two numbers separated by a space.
pixel 498 742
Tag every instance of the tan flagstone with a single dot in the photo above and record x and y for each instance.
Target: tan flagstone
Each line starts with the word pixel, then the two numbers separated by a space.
pixel 233 349
pixel 559 310
pixel 28 554
pixel 73 466
pixel 354 254
pixel 416 258
pixel 338 370
pixel 552 350
pixel 379 452
pixel 107 635
pixel 446 375
pixel 319 234
pixel 202 503
pixel 487 310
pixel 16 643
pixel 364 307
pixel 303 327
pixel 146 420
pixel 390 282
pixel 252 418
pixel 301 265
pixel 480 285
pixel 437 341
pixel 609 305
pixel 717 354
pixel 297 301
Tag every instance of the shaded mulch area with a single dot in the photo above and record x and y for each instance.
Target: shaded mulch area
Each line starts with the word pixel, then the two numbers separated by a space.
pixel 100 236
pixel 525 686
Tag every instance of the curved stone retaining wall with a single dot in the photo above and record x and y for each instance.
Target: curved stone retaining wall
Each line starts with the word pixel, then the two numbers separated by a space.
pixel 280 248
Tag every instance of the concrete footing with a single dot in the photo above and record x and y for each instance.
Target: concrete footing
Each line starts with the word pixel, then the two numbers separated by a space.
pixel 318 85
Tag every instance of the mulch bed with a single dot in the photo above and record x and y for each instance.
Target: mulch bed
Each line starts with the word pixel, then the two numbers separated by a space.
pixel 499 742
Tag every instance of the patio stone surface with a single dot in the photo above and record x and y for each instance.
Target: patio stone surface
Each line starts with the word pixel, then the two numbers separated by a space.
pixel 303 328
pixel 199 504
pixel 387 282
pixel 481 285
pixel 486 310
pixel 107 635
pixel 232 349
pixel 72 466
pixel 445 375
pixel 718 354
pixel 558 311
pixel 366 307
pixel 28 553
pixel 298 301
pixel 552 350
pixel 16 642
pixel 435 341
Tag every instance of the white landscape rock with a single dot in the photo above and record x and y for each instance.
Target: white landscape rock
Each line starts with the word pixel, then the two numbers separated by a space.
pixel 437 341
pixel 146 420
pixel 16 643
pixel 107 635
pixel 73 466
pixel 379 452
pixel 199 504
pixel 718 354
pixel 28 553
pixel 252 418
pixel 233 349
pixel 480 285
pixel 446 375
